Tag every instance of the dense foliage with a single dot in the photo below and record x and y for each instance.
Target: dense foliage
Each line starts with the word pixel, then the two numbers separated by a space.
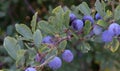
pixel 84 37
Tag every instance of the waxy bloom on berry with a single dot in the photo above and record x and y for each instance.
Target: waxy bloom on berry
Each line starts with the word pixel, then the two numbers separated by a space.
pixel 77 24
pixel 30 69
pixel 47 39
pixel 55 63
pixel 114 28
pixel 67 56
pixel 87 17
pixel 107 36
pixel 98 16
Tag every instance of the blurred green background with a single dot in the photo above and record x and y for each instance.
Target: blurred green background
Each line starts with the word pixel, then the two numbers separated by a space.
pixel 21 11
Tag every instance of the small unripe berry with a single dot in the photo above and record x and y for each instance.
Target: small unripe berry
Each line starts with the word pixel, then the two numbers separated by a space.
pixel 77 24
pixel 107 36
pixel 97 30
pixel 97 16
pixel 114 28
pixel 37 58
pixel 47 39
pixel 55 63
pixel 87 17
pixel 67 56
pixel 30 69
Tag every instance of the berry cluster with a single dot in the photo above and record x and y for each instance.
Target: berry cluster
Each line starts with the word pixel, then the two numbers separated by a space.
pixel 106 34
pixel 56 62
pixel 78 25
pixel 113 30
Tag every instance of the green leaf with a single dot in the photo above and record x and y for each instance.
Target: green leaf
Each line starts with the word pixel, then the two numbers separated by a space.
pixel 100 7
pixel 43 48
pixel 20 58
pixel 21 43
pixel 34 21
pixel 62 45
pixel 102 23
pixel 51 52
pixel 45 27
pixel 97 39
pixel 30 56
pixel 113 46
pixel 66 18
pixel 60 19
pixel 37 37
pixel 117 13
pixel 11 46
pixel 84 8
pixel 58 10
pixel 58 22
pixel 87 27
pixel 47 61
pixel 109 14
pixel 76 11
pixel 24 31
pixel 84 47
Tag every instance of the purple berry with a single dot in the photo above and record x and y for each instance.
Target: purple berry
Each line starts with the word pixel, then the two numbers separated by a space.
pixel 37 58
pixel 97 16
pixel 55 63
pixel 47 39
pixel 97 30
pixel 107 36
pixel 30 69
pixel 114 28
pixel 72 17
pixel 77 24
pixel 67 56
pixel 87 17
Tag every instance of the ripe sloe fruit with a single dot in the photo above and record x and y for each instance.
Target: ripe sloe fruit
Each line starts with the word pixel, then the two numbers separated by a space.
pixel 55 63
pixel 67 56
pixel 107 36
pixel 77 24
pixel 47 39
pixel 72 18
pixel 88 17
pixel 97 16
pixel 114 28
